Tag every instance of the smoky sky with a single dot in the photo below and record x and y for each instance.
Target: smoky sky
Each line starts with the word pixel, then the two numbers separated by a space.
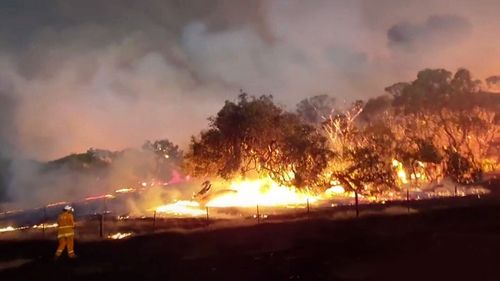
pixel 443 29
pixel 111 74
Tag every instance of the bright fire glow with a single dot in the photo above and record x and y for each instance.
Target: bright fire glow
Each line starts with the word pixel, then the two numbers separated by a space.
pixel 119 235
pixel 8 229
pixel 106 196
pixel 50 225
pixel 263 192
pixel 57 204
pixel 182 208
pixel 124 190
pixel 11 228
pixel 400 171
pixel 335 190
pixel 244 193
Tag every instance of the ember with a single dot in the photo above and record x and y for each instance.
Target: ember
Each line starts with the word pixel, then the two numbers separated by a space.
pixel 125 190
pixel 11 228
pixel 119 235
pixel 50 225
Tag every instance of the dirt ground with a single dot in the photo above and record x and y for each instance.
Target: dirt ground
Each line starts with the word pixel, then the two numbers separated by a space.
pixel 461 243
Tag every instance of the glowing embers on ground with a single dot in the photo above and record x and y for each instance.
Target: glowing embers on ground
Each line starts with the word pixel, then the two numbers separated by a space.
pixel 120 235
pixel 263 192
pixel 10 228
pixel 182 208
pixel 42 226
pixel 98 197
pixel 242 194
pixel 125 190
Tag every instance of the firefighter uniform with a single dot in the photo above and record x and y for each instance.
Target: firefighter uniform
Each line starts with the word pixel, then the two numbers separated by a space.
pixel 66 232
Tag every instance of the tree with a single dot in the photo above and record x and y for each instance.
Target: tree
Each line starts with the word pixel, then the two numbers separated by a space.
pixel 168 157
pixel 375 108
pixel 316 109
pixel 164 149
pixel 362 162
pixel 364 172
pixel 452 115
pixel 255 135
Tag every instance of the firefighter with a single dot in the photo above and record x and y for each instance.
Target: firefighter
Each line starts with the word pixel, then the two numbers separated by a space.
pixel 66 232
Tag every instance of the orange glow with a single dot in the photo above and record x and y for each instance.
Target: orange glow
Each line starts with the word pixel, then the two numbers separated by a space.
pixel 57 204
pixel 119 235
pixel 106 196
pixel 182 208
pixel 263 192
pixel 124 190
pixel 49 225
pixel 400 171
pixel 10 228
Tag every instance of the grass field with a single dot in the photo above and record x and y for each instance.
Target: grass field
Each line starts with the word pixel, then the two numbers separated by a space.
pixel 454 243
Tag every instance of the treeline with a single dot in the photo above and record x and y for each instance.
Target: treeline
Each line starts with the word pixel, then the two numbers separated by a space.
pixel 93 172
pixel 440 125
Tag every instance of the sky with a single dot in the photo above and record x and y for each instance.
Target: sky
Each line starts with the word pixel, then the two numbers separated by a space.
pixel 111 74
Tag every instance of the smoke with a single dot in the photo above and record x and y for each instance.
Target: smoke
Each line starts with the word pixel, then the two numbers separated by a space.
pixel 437 29
pixel 111 74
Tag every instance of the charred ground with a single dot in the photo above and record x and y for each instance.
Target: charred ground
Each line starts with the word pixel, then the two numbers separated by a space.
pixel 458 243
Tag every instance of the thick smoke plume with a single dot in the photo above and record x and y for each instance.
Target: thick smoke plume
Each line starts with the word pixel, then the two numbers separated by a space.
pixel 111 74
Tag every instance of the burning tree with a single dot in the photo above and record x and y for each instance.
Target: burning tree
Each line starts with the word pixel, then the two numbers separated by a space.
pixel 440 114
pixel 362 162
pixel 255 135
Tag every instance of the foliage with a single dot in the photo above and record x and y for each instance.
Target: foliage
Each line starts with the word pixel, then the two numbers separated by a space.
pixel 446 117
pixel 361 163
pixel 164 150
pixel 255 135
pixel 316 109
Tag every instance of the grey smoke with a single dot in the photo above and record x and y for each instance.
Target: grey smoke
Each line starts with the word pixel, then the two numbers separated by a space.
pixel 111 74
pixel 437 29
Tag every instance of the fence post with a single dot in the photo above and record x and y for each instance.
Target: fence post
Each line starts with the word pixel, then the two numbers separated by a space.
pixel 308 209
pixel 44 220
pixel 408 198
pixel 208 218
pixel 258 214
pixel 154 221
pixel 101 225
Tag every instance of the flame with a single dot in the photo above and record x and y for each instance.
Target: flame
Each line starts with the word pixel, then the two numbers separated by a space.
pixel 242 193
pixel 106 196
pixel 8 229
pixel 51 225
pixel 264 192
pixel 335 190
pixel 57 204
pixel 182 208
pixel 119 235
pixel 11 228
pixel 124 190
pixel 400 171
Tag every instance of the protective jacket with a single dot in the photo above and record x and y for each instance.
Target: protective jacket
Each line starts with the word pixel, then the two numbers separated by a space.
pixel 66 225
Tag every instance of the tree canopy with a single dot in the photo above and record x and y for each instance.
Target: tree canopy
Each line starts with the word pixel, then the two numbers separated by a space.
pixel 255 135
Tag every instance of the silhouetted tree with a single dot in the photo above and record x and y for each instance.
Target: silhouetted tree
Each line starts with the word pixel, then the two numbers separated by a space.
pixel 254 134
pixel 316 109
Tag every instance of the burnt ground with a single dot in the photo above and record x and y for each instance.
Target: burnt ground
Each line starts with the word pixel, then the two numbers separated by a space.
pixel 458 243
